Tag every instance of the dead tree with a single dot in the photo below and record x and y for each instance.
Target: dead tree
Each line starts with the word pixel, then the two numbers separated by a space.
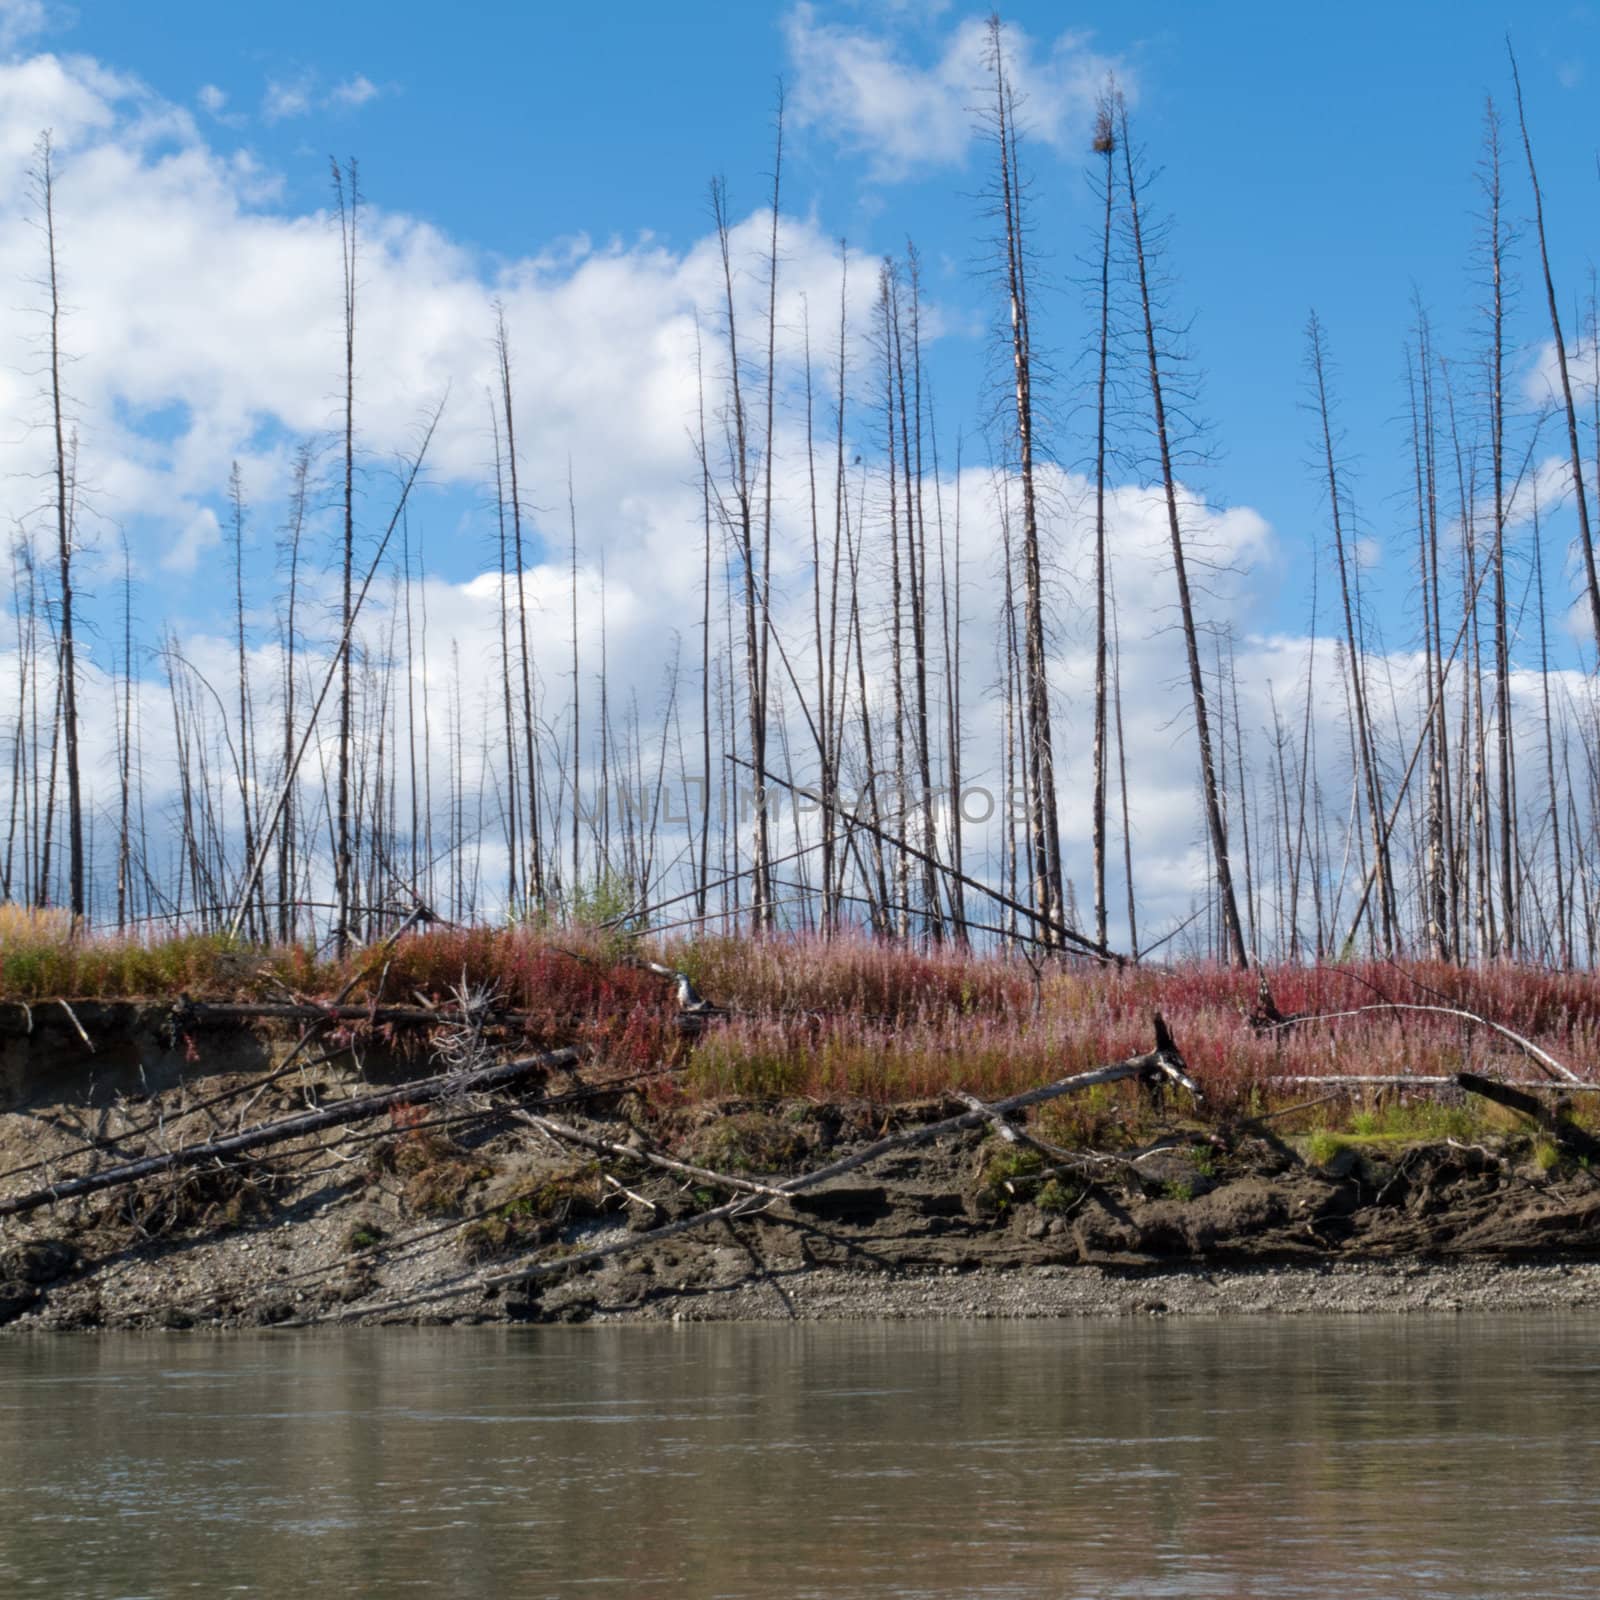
pixel 347 195
pixel 753 580
pixel 1105 146
pixel 1345 560
pixel 1212 800
pixel 515 888
pixel 1043 821
pixel 533 888
pixel 1580 499
pixel 289 557
pixel 43 178
pixel 1494 244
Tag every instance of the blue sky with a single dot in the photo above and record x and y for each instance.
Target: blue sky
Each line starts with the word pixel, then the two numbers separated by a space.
pixel 1308 157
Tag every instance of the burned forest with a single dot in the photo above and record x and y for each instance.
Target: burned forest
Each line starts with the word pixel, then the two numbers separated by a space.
pixel 897 698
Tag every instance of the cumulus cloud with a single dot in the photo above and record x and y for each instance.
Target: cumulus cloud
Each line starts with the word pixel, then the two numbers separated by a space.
pixel 205 330
pixel 910 116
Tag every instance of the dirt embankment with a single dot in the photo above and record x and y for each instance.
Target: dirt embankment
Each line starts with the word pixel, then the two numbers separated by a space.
pixel 429 1212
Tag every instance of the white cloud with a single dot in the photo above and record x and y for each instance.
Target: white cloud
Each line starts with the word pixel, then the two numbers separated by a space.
pixel 356 91
pixel 921 10
pixel 299 96
pixel 21 20
pixel 908 117
pixel 286 98
pixel 198 536
pixel 78 101
pixel 212 99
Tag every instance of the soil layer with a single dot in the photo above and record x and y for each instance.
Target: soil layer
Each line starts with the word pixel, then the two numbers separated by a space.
pixel 428 1213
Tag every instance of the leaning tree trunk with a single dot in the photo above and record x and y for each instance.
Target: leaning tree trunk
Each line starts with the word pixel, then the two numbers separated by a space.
pixel 1232 929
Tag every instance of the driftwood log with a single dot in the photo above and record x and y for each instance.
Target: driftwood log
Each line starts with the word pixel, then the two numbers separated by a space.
pixel 189 1012
pixel 561 1132
pixel 356 1109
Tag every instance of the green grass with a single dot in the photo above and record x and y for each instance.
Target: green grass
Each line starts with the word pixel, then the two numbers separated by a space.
pixel 1395 1126
pixel 1057 1197
pixel 40 960
pixel 1008 1175
pixel 1321 1145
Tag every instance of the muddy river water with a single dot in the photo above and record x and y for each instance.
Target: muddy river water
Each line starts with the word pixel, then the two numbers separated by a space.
pixel 1383 1456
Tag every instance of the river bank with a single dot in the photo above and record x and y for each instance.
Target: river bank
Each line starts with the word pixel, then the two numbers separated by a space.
pixel 614 1194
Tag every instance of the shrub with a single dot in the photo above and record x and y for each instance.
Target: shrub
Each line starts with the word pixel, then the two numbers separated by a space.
pixel 1007 1174
pixel 1056 1197
pixel 1322 1145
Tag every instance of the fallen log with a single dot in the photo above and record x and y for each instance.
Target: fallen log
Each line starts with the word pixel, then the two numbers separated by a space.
pixel 1539 1057
pixel 1566 1134
pixel 1100 952
pixel 1159 1063
pixel 191 1013
pixel 609 1147
pixel 195 1011
pixel 1135 1067
pixel 1418 1080
pixel 319 1017
pixel 353 1110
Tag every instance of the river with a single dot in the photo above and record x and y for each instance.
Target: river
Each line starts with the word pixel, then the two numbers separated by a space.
pixel 1399 1456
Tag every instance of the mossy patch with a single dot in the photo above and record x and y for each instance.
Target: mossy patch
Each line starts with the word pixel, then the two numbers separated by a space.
pixel 441 1190
pixel 556 1194
pixel 438 1173
pixel 531 1210
pixel 489 1237
pixel 1394 1127
pixel 748 1141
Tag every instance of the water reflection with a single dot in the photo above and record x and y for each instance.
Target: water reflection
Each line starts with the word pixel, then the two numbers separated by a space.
pixel 1387 1456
